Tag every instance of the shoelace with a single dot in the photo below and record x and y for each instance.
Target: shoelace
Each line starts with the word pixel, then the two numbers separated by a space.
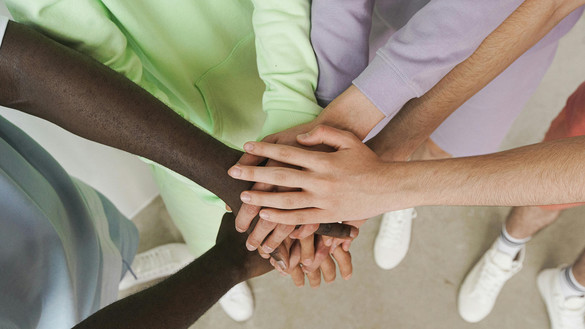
pixel 570 319
pixel 491 280
pixel 392 228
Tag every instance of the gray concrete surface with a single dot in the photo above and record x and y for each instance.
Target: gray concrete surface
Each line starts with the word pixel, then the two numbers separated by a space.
pixel 421 292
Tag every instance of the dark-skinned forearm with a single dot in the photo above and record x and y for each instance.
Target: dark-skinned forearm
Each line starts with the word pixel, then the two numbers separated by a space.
pixel 46 79
pixel 178 301
pixel 53 82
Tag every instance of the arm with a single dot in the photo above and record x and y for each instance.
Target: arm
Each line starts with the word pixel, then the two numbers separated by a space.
pixel 181 299
pixel 335 186
pixel 45 79
pixel 518 33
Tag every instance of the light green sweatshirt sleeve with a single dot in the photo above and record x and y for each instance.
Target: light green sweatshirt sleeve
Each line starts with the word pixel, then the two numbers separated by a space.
pixel 286 63
pixel 86 26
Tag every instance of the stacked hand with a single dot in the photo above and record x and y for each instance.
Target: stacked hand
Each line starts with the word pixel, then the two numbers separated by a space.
pixel 309 192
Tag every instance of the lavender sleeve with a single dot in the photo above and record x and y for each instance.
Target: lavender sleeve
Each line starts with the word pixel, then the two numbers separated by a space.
pixel 339 33
pixel 437 38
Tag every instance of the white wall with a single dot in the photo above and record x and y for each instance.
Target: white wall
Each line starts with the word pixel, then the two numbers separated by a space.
pixel 120 176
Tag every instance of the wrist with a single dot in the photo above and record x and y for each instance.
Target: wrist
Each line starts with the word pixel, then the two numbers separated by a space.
pixel 351 111
pixel 406 184
pixel 234 261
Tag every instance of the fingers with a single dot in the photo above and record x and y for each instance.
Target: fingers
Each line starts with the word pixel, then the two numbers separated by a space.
pixel 343 259
pixel 283 153
pixel 337 230
pixel 281 200
pixel 346 244
pixel 298 276
pixel 304 231
pixel 251 160
pixel 295 271
pixel 321 253
pixel 245 217
pixel 295 254
pixel 338 139
pixel 307 250
pixel 280 176
pixel 280 233
pixel 328 226
pixel 328 269
pixel 314 278
pixel 262 229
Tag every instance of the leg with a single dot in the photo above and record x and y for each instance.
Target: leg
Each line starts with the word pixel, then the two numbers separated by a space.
pixel 524 222
pixel 579 268
pixel 563 292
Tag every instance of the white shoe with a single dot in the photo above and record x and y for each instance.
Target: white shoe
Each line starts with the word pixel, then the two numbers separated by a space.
pixel 238 302
pixel 481 287
pixel 156 263
pixel 393 238
pixel 563 313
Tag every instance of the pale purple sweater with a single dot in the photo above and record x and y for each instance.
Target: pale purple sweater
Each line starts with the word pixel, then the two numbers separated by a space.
pixel 437 35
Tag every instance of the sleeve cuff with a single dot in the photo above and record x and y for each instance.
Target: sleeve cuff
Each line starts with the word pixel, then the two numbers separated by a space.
pixel 385 86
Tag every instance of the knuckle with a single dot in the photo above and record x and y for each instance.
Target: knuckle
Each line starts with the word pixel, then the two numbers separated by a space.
pixel 279 175
pixel 288 202
pixel 266 225
pixel 284 153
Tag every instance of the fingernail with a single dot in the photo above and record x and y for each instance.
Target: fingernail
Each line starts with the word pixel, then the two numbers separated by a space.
pixel 333 249
pixel 264 215
pixel 303 136
pixel 282 265
pixel 248 147
pixel 307 262
pixel 240 230
pixel 267 249
pixel 353 233
pixel 250 247
pixel 305 270
pixel 347 277
pixel 328 242
pixel 245 197
pixel 235 171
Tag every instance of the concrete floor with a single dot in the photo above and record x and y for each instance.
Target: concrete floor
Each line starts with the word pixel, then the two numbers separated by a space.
pixel 421 292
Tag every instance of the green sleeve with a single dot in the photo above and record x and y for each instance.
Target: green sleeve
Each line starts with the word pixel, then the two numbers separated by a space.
pixel 86 26
pixel 286 63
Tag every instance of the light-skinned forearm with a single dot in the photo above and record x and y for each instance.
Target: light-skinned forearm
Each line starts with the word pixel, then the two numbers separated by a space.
pixel 420 117
pixel 539 174
pixel 351 111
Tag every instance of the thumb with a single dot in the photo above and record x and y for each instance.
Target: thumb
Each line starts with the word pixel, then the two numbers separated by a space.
pixel 338 139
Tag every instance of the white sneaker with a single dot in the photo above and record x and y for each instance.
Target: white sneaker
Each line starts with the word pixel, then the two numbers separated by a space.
pixel 157 263
pixel 481 287
pixel 238 302
pixel 563 313
pixel 393 238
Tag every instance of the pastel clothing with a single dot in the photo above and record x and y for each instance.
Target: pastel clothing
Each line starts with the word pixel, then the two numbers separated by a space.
pixel 237 69
pixel 416 43
pixel 569 123
pixel 62 244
